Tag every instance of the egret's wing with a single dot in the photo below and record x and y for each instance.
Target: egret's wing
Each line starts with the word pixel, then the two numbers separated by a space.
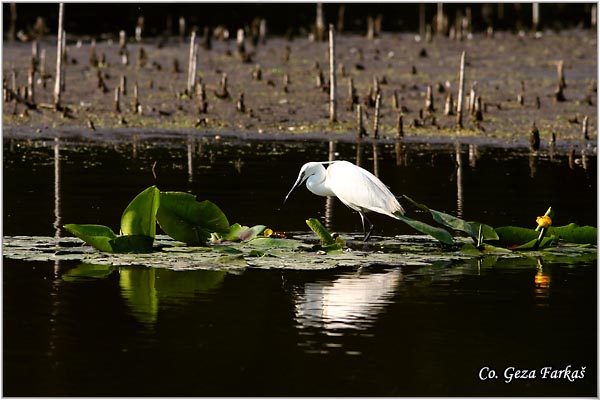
pixel 361 190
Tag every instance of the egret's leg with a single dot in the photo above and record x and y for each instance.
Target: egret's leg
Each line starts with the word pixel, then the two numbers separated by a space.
pixel 364 218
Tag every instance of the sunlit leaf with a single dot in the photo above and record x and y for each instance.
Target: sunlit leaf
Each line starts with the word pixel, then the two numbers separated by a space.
pixel 320 231
pixel 97 236
pixel 139 218
pixel 440 234
pixel 189 221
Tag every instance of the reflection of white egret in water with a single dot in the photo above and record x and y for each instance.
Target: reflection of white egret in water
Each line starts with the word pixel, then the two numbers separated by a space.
pixel 349 302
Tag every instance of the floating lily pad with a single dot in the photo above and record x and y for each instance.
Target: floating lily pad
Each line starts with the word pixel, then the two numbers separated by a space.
pixel 270 253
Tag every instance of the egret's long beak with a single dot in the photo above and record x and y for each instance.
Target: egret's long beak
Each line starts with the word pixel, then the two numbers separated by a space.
pixel 299 181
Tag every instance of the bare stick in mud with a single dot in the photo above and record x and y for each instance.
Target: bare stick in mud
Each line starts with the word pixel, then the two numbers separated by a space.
pixel 31 84
pixel 191 63
pixel 377 114
pixel 439 19
pixel 461 88
pixel 117 99
pixel 478 114
pixel 93 54
pixel 449 105
pixel 352 97
pixel 12 29
pixel 262 31
pixel 370 28
pixel 257 73
pixel 320 24
pixel 558 94
pixel 181 29
pixel 35 53
pixel 472 97
pixel 240 43
pixel 59 58
pixel 535 16
pixel 43 73
pixel 429 100
pixel 123 85
pixel 136 102
pixel 584 128
pixel 534 138
pixel 206 39
pixel 286 82
pixel 340 20
pixel 201 94
pixel 395 103
pixel 359 122
pixel 122 41
pixel 240 106
pixel 332 76
pixel 400 126
pixel 222 92
pixel 560 70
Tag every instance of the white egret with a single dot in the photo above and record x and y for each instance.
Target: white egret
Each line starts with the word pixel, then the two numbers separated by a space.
pixel 356 187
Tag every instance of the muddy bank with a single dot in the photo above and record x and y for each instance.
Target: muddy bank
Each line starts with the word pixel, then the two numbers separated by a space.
pixel 515 76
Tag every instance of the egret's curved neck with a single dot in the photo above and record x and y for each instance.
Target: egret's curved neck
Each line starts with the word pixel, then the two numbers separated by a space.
pixel 317 183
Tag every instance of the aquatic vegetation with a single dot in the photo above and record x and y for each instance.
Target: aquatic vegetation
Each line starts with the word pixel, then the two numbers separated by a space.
pixel 203 225
pixel 178 214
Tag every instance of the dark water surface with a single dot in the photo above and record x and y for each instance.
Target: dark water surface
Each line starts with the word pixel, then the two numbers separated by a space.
pixel 407 331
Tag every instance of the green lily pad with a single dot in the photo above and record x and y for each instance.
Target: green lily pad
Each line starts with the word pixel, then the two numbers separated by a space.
pixel 132 244
pixel 97 236
pixel 471 228
pixel 189 221
pixel 139 218
pixel 440 234
pixel 574 233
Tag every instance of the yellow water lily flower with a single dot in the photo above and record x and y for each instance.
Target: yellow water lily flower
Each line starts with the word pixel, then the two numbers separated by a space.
pixel 544 221
pixel 268 232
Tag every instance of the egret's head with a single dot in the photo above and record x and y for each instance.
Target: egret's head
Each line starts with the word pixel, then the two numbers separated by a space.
pixel 309 169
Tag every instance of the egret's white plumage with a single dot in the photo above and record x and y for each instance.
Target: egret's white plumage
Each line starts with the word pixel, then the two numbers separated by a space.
pixel 356 187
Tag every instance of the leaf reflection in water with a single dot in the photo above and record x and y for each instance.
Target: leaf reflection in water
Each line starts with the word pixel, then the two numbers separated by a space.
pixel 349 302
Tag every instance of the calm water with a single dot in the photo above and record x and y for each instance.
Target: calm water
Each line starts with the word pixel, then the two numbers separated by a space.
pixel 374 332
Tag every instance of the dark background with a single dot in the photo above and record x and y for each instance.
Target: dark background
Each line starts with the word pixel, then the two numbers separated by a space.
pixel 97 18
